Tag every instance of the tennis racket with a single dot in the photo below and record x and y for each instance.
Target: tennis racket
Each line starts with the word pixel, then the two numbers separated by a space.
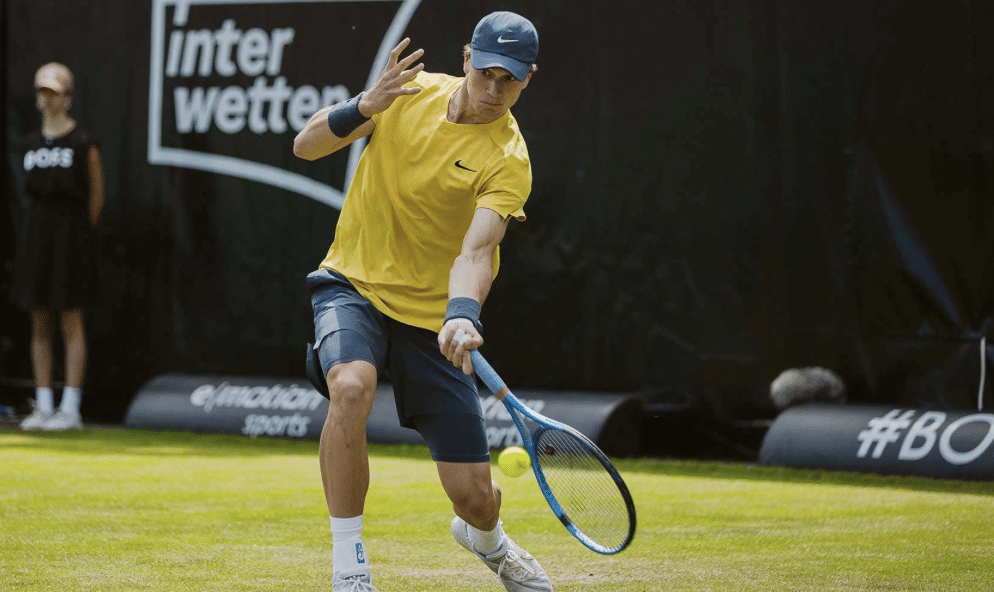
pixel 583 488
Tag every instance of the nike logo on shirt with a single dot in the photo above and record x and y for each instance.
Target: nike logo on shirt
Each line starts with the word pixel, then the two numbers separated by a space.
pixel 459 164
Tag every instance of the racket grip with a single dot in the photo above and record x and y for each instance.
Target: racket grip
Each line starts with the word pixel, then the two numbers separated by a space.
pixel 483 369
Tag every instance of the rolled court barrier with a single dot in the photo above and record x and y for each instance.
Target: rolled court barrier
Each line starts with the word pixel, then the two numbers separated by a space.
pixel 944 444
pixel 253 406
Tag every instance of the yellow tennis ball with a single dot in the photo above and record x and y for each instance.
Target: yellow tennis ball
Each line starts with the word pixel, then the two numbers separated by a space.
pixel 514 461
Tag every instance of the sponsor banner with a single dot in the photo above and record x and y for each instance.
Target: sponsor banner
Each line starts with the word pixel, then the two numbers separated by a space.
pixel 229 405
pixel 253 407
pixel 944 444
pixel 233 81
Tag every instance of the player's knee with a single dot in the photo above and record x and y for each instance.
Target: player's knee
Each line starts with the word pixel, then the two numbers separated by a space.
pixel 349 394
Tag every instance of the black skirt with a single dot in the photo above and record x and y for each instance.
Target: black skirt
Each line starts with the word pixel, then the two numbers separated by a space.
pixel 55 267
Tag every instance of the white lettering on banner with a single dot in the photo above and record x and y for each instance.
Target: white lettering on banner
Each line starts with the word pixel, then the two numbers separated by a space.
pixel 257 51
pixel 921 437
pixel 232 107
pixel 962 458
pixel 494 410
pixel 294 426
pixel 926 427
pixel 205 69
pixel 285 398
pixel 883 431
pixel 498 437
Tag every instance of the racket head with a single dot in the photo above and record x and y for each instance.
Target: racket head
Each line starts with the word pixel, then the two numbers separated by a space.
pixel 583 488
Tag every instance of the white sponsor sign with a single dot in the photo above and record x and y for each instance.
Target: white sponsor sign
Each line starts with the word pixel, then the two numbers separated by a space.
pixel 919 438
pixel 195 59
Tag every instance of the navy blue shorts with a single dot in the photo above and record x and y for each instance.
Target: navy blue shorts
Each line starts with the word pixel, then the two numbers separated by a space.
pixel 432 396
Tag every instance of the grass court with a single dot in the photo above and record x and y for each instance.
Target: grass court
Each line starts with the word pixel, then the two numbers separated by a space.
pixel 120 510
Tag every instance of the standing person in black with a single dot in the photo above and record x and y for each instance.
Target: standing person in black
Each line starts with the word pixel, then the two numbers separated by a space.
pixel 54 273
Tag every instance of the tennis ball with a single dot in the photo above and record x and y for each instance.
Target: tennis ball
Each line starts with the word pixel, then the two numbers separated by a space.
pixel 514 461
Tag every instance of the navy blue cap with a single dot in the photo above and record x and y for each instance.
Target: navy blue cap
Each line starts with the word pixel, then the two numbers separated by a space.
pixel 505 40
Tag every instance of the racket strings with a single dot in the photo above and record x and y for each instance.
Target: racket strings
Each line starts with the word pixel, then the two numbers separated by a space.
pixel 585 490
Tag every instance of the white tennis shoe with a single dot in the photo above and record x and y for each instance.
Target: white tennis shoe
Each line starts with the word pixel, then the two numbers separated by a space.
pixel 35 420
pixel 62 420
pixel 517 570
pixel 356 583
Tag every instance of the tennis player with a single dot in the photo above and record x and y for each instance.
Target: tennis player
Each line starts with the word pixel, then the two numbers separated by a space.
pixel 414 255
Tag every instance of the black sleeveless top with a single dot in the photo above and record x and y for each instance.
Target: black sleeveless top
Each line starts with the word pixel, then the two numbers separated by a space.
pixel 58 168
pixel 55 266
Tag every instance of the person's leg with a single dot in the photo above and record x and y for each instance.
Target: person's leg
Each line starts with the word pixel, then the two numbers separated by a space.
pixel 342 451
pixel 478 528
pixel 351 345
pixel 475 499
pixel 472 492
pixel 345 464
pixel 41 367
pixel 443 405
pixel 458 443
pixel 41 347
pixel 74 336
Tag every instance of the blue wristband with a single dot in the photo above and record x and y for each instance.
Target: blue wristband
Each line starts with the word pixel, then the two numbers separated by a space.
pixel 344 118
pixel 464 308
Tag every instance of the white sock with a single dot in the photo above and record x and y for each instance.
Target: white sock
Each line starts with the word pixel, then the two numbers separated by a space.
pixel 348 553
pixel 486 542
pixel 44 399
pixel 71 397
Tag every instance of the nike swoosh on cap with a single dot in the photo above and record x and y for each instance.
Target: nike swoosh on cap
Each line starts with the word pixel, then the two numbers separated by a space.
pixel 459 164
pixel 502 40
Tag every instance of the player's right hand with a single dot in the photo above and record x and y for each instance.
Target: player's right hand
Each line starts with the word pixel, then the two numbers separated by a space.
pixel 390 86
pixel 457 337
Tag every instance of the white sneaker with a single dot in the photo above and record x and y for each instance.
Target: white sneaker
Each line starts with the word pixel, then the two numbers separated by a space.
pixel 62 420
pixel 357 583
pixel 517 570
pixel 35 420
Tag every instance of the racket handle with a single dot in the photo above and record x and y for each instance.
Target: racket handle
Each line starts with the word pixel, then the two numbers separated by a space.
pixel 483 368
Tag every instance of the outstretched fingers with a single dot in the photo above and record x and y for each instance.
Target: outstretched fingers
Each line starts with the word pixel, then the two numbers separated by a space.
pixel 390 85
pixel 401 70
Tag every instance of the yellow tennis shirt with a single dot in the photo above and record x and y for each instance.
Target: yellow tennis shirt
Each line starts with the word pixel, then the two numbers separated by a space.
pixel 416 187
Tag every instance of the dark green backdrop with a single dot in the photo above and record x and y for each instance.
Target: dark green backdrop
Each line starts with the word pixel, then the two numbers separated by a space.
pixel 722 190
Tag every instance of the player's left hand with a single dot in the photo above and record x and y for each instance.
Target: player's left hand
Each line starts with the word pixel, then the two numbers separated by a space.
pixel 455 352
pixel 390 86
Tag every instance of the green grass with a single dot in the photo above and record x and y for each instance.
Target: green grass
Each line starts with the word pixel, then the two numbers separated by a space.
pixel 116 510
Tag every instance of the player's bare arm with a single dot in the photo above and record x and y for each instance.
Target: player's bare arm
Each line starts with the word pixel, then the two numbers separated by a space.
pixel 317 140
pixel 471 277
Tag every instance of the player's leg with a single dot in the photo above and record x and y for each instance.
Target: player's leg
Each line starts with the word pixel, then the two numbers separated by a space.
pixel 345 469
pixel 443 404
pixel 476 500
pixel 342 450
pixel 472 492
pixel 41 366
pixel 351 344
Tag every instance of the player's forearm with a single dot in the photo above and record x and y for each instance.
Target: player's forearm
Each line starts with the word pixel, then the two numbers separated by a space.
pixel 317 140
pixel 471 276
